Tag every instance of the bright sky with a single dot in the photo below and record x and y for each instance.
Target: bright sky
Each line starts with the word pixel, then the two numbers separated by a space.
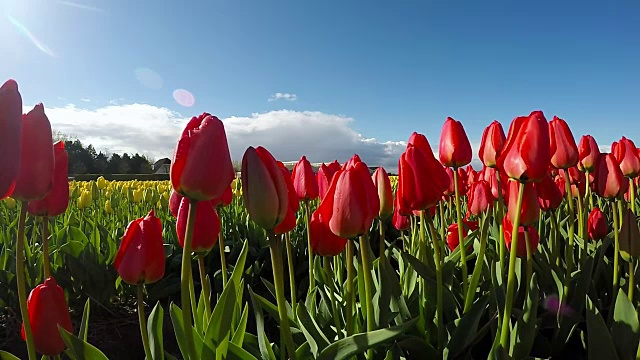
pixel 324 78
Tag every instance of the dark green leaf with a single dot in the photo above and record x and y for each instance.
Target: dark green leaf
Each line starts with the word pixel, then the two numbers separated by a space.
pixel 316 339
pixel 526 333
pixel 599 344
pixel 84 323
pixel 467 327
pixel 154 328
pixel 625 327
pixel 79 349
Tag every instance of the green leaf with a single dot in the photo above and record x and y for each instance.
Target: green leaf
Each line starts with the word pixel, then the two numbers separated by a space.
pixel 526 333
pixel 417 348
pixel 220 323
pixel 238 335
pixel 154 328
pixel 467 327
pixel 178 328
pixel 316 339
pixel 599 342
pixel 359 343
pixel 237 353
pixel 72 248
pixel 84 323
pixel 79 349
pixel 7 356
pixel 625 328
pixel 238 269
pixel 265 348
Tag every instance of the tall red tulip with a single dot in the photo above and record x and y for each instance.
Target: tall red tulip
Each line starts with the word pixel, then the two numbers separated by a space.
pixel 493 140
pixel 264 188
pixel 563 149
pixel 304 180
pixel 47 308
pixel 549 195
pixel 57 201
pixel 610 183
pixel 385 194
pixel 588 153
pixel 480 197
pixel 206 228
pixel 289 222
pixel 400 221
pixel 10 136
pixel 140 258
pixel 521 251
pixel 471 175
pixel 530 210
pixel 525 156
pixel 453 240
pixel 323 177
pixel 201 168
pixel 422 178
pixel 37 162
pixel 597 227
pixel 323 241
pixel 626 155
pixel 455 149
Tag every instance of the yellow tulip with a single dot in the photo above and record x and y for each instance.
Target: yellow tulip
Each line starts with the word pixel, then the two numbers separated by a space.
pixel 84 201
pixel 137 196
pixel 10 202
pixel 107 207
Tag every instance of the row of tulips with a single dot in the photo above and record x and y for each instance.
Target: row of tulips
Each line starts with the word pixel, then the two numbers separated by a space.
pixel 493 222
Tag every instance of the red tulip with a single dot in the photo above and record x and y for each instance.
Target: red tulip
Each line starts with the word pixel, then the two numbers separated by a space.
pixel 201 168
pixel 57 201
pixel 264 188
pixel 10 136
pixel 323 177
pixel 455 149
pixel 385 194
pixel 289 222
pixel 597 227
pixel 47 308
pixel 549 196
pixel 525 156
pixel 451 189
pixel 206 228
pixel 453 239
pixel 563 149
pixel 626 155
pixel 304 180
pixel 140 258
pixel 323 241
pixel 471 175
pixel 560 185
pixel 530 210
pixel 174 203
pixel 491 176
pixel 400 221
pixel 334 166
pixel 480 198
pixel 226 199
pixel 521 251
pixel 422 178
pixel 588 153
pixel 493 140
pixel 609 181
pixel 37 162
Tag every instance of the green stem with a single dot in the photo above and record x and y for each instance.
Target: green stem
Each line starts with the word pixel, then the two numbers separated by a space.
pixel 506 318
pixel 278 280
pixel 632 193
pixel 368 284
pixel 477 270
pixel 581 229
pixel 555 242
pixel 382 243
pixel 439 282
pixel 587 192
pixel 616 252
pixel 223 259
pixel 292 277
pixel 461 232
pixel 45 247
pixel 529 272
pixel 569 248
pixel 20 279
pixel 334 306
pixel 309 251
pixel 350 294
pixel 500 209
pixel 632 283
pixel 443 227
pixel 205 286
pixel 186 279
pixel 143 322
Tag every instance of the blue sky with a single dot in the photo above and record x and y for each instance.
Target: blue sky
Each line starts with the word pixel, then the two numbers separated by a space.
pixel 390 67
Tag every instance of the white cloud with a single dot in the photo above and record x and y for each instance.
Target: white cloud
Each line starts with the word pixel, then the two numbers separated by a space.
pixel 287 134
pixel 283 96
pixel 85 99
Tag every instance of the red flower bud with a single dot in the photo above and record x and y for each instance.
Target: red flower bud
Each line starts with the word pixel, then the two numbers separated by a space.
pixel 323 241
pixel 563 149
pixel 289 222
pixel 521 250
pixel 480 197
pixel 304 180
pixel 530 210
pixel 206 228
pixel 549 196
pixel 588 153
pixel 10 136
pixel 493 140
pixel 609 181
pixel 455 149
pixel 597 227
pixel 385 194
pixel 57 201
pixel 453 240
pixel 48 309
pixel 140 258
pixel 201 168
pixel 626 155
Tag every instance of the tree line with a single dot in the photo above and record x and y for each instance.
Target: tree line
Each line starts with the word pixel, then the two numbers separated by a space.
pixel 86 160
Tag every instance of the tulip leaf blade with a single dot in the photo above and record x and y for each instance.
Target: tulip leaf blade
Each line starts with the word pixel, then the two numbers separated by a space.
pixel 84 323
pixel 221 318
pixel 467 327
pixel 79 349
pixel 154 328
pixel 526 324
pixel 265 348
pixel 599 342
pixel 7 356
pixel 176 318
pixel 238 335
pixel 314 335
pixel 625 328
pixel 359 343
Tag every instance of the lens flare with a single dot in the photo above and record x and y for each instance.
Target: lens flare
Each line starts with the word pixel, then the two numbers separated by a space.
pixel 184 97
pixel 34 40
pixel 149 78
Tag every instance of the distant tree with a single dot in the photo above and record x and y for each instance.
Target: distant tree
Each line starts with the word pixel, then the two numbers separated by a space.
pixel 125 165
pixel 114 164
pixel 101 163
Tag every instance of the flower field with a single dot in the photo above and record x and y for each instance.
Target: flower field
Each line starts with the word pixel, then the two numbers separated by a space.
pixel 532 256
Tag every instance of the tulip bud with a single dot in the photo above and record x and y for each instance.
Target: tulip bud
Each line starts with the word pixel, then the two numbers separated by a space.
pixel 10 136
pixel 400 222
pixel 493 140
pixel 264 188
pixel 626 155
pixel 530 209
pixel 549 196
pixel 290 220
pixel 35 178
pixel 323 241
pixel 84 201
pixel 10 202
pixel 57 201
pixel 563 149
pixel 521 250
pixel 383 185
pixel 453 240
pixel 48 309
pixel 107 207
pixel 201 168
pixel 588 153
pixel 206 228
pixel 480 198
pixel 455 149
pixel 609 181
pixel 304 180
pixel 597 227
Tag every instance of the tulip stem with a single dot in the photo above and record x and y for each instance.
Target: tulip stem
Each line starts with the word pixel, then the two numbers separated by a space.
pixel 278 280
pixel 569 247
pixel 382 243
pixel 632 195
pixel 477 270
pixel 20 279
pixel 223 259
pixel 186 278
pixel 334 308
pixel 461 232
pixel 309 251
pixel 632 283
pixel 500 209
pixel 292 276
pixel 511 280
pixel 439 281
pixel 368 284
pixel 555 242
pixel 45 247
pixel 350 291
pixel 443 227
pixel 206 291
pixel 587 191
pixel 616 252
pixel 581 229
pixel 529 271
pixel 143 322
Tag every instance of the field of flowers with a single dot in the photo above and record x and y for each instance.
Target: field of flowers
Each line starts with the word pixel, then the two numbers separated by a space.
pixel 334 264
